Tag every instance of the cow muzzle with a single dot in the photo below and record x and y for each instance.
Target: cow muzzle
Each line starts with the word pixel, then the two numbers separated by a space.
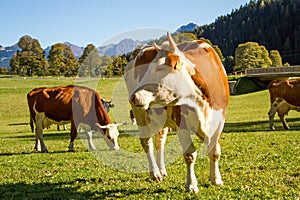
pixel 152 95
pixel 141 99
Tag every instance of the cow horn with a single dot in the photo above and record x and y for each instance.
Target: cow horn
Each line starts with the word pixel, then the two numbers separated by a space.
pixel 100 126
pixel 121 124
pixel 173 45
pixel 156 47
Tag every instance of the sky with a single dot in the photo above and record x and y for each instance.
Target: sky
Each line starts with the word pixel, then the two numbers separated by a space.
pixel 100 22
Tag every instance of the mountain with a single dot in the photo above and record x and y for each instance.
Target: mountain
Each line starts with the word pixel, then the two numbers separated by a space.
pixel 186 28
pixel 6 53
pixel 123 47
pixel 77 50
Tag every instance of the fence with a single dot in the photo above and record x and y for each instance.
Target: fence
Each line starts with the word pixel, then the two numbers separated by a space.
pixel 291 71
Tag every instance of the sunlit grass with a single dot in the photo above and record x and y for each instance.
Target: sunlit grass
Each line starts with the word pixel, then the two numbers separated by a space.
pixel 255 163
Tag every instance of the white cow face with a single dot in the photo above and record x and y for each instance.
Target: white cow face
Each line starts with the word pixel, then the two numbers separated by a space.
pixel 111 135
pixel 167 80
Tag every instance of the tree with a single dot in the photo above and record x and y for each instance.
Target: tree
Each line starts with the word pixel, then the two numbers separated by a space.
pixel 183 37
pixel 62 61
pixel 228 64
pixel 31 60
pixel 90 62
pixel 251 55
pixel 275 58
pixel 117 67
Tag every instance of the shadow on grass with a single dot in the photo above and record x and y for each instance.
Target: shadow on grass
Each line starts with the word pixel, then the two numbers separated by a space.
pixel 43 191
pixel 66 190
pixel 260 126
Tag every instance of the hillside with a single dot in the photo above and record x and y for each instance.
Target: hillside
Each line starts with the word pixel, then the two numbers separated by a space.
pixel 274 24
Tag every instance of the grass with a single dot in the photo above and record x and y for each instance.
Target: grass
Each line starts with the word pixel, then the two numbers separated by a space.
pixel 255 163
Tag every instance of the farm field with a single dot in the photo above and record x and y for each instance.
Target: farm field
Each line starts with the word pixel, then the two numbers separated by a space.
pixel 255 163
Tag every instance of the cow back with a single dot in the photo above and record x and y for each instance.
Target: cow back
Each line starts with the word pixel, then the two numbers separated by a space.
pixel 287 90
pixel 210 75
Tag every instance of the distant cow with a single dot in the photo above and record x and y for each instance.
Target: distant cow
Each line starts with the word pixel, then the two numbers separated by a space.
pixel 184 87
pixel 75 104
pixel 284 96
pixel 107 105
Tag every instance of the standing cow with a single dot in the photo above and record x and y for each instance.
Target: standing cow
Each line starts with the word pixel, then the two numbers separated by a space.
pixel 181 86
pixel 75 104
pixel 284 96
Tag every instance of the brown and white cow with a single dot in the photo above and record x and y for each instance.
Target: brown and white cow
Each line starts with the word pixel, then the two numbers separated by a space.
pixel 107 105
pixel 75 104
pixel 284 96
pixel 184 87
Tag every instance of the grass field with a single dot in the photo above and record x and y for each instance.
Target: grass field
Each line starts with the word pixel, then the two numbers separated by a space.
pixel 255 163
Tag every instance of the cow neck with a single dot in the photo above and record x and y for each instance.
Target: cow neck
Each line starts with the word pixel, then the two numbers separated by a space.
pixel 102 116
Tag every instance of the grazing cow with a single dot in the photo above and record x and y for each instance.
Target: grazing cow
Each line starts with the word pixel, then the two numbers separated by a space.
pixel 284 96
pixel 75 104
pixel 184 87
pixel 107 105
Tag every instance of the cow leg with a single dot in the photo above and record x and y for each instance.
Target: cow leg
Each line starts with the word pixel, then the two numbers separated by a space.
pixel 39 141
pixel 153 168
pixel 90 140
pixel 214 157
pixel 190 155
pixel 282 111
pixel 284 123
pixel 73 134
pixel 271 114
pixel 160 140
pixel 58 129
pixel 65 127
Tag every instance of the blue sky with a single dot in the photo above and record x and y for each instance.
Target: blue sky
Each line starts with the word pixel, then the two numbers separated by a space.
pixel 103 21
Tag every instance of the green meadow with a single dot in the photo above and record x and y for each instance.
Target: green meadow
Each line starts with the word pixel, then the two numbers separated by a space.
pixel 256 163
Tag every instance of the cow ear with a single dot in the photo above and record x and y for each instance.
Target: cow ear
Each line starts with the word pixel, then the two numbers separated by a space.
pixel 174 61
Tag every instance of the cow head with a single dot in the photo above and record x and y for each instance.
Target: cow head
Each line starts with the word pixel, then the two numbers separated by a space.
pixel 110 133
pixel 107 105
pixel 167 80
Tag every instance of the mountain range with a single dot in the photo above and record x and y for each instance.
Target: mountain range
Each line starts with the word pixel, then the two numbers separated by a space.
pixel 123 47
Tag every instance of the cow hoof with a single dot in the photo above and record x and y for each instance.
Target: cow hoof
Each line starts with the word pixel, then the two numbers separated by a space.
pixel 217 182
pixel 163 172
pixel 272 128
pixel 192 188
pixel 156 176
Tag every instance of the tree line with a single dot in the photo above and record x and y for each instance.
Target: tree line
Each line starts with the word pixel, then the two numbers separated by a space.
pixel 253 36
pixel 61 61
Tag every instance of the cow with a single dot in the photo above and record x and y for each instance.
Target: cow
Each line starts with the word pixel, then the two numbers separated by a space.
pixel 284 96
pixel 107 105
pixel 78 105
pixel 183 87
